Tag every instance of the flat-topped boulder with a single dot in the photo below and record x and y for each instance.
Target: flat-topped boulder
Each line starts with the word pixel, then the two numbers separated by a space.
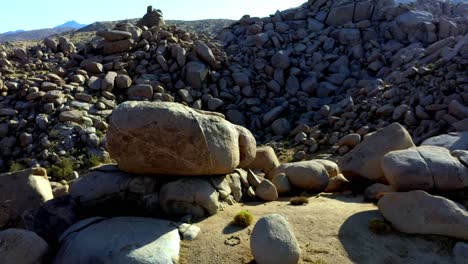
pixel 130 240
pixel 114 35
pixel 172 139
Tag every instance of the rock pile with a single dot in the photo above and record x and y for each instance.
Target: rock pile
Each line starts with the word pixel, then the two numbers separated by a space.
pixel 320 73
pixel 370 78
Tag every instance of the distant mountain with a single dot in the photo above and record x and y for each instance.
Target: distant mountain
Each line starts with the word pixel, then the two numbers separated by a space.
pixel 13 32
pixel 39 34
pixel 71 24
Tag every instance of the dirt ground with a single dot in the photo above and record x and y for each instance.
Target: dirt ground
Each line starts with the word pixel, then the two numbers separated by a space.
pixel 330 229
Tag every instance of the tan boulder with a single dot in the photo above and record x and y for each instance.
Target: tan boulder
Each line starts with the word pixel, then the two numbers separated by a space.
pixel 337 184
pixel 309 175
pixel 364 160
pixel 170 138
pixel 418 212
pixel 266 161
pixel 23 190
pixel 424 168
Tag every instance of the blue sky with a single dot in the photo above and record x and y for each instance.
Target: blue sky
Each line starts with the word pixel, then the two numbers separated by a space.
pixel 35 14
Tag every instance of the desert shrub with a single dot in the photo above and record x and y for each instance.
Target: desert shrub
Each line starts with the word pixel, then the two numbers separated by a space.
pixel 299 200
pixel 94 160
pixel 380 227
pixel 244 218
pixel 16 166
pixel 63 170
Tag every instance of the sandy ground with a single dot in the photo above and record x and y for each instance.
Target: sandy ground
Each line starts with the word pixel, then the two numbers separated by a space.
pixel 330 229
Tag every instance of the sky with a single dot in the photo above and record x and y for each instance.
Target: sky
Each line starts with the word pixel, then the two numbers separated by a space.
pixel 35 14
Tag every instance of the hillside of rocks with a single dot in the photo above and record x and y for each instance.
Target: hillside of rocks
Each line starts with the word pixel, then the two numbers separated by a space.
pixel 161 129
pixel 321 71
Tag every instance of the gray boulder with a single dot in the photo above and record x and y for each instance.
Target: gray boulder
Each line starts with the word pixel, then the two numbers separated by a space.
pixel 451 141
pixel 424 168
pixel 273 241
pixel 418 212
pixel 19 246
pixel 129 240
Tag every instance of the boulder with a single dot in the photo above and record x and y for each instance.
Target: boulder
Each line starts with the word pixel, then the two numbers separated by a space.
pixel 23 190
pixel 52 218
pixel 281 183
pixel 424 168
pixel 108 188
pixel 340 15
pixel 130 240
pixel 460 252
pixel 195 73
pixel 309 175
pixel 332 168
pixel 19 246
pixel 273 241
pixel 265 160
pixel 451 141
pixel 377 191
pixel 189 196
pixel 364 159
pixel 114 35
pixel 117 46
pixel 337 184
pixel 266 191
pixel 172 139
pixel 418 212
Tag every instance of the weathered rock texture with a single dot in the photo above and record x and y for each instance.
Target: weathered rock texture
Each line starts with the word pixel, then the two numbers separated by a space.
pixel 172 139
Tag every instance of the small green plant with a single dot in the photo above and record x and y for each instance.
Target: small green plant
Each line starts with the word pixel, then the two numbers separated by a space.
pixel 299 200
pixel 16 166
pixel 63 170
pixel 244 218
pixel 94 160
pixel 379 227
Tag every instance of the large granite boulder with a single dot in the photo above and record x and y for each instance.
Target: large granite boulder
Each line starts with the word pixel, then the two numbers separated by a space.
pixel 19 246
pixel 418 212
pixel 424 168
pixel 129 240
pixel 273 241
pixel 364 160
pixel 21 191
pixel 172 139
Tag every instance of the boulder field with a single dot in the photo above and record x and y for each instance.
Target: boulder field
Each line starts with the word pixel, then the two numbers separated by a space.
pixel 116 148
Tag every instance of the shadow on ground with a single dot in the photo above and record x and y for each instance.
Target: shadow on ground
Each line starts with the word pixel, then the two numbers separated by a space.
pixel 363 246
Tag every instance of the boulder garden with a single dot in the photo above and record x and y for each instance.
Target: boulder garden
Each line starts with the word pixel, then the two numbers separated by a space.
pixel 169 138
